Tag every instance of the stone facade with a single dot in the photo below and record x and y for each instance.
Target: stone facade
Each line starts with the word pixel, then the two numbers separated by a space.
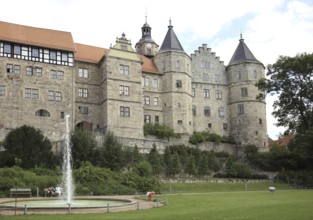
pixel 119 89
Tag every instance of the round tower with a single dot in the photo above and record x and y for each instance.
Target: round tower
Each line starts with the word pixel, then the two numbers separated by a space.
pixel 173 62
pixel 247 114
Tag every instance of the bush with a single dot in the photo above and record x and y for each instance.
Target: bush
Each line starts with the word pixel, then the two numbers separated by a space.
pixel 161 131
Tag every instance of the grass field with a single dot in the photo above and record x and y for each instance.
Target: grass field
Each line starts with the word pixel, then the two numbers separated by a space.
pixel 230 204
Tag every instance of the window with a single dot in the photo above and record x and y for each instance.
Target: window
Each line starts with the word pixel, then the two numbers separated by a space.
pixel 17 69
pixel 83 73
pixel 124 47
pixel 35 52
pixel 60 75
pixel 39 72
pixel 224 126
pixel 54 96
pixel 207 111
pixel 124 69
pixel 244 92
pixel 62 115
pixel 240 109
pixel 9 68
pixel 29 71
pixel 58 96
pixel 147 119
pixel 156 101
pixel 155 83
pixel 50 95
pixel 17 51
pixel 25 54
pixel 193 92
pixel 209 125
pixel 124 90
pixel 180 122
pixel 260 121
pixel 205 64
pixel 53 74
pixel 7 48
pixel 53 55
pixel 239 75
pixel 147 100
pixel 194 110
pixel 177 64
pixel 217 77
pixel 221 112
pixel 206 93
pixel 255 74
pixel 218 94
pixel 205 77
pixel 31 93
pixel 179 83
pixel 42 113
pixel 124 111
pixel 83 110
pixel 2 90
pixel 156 119
pixel 82 92
pixel 147 81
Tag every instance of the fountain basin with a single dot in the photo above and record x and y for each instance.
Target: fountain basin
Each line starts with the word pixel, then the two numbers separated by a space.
pixel 78 205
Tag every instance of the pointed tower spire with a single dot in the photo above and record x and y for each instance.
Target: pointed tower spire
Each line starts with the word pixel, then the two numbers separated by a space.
pixel 242 54
pixel 171 41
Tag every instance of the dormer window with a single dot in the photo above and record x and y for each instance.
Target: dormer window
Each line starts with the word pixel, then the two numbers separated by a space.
pixel 124 47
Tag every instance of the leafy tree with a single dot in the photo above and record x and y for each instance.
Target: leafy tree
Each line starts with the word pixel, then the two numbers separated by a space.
pixel 131 156
pixel 154 159
pixel 292 79
pixel 83 144
pixel 174 165
pixel 110 155
pixel 301 148
pixel 143 168
pixel 167 158
pixel 191 166
pixel 203 166
pixel 28 147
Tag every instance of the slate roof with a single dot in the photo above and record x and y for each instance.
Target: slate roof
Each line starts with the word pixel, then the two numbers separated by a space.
pixel 171 41
pixel 36 36
pixel 242 54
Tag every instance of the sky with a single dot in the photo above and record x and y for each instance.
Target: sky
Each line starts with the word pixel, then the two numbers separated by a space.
pixel 270 28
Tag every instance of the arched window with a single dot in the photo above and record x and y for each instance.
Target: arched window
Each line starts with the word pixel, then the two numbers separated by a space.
pixel 42 113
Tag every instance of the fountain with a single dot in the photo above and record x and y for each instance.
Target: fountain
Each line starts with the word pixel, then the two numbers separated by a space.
pixel 71 204
pixel 67 181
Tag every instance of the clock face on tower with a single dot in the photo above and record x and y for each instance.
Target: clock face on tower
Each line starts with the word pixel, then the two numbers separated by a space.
pixel 148 45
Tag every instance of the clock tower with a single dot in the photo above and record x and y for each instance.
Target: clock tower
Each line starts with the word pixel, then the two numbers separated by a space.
pixel 146 45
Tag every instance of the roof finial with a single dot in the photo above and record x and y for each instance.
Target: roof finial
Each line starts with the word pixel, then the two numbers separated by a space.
pixel 146 16
pixel 241 39
pixel 170 25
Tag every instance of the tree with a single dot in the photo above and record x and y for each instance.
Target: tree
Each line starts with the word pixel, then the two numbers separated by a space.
pixel 203 168
pixel 131 156
pixel 154 159
pixel 28 147
pixel 83 144
pixel 191 166
pixel 110 155
pixel 292 79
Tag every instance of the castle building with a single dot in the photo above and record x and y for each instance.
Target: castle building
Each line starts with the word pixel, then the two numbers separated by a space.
pixel 45 75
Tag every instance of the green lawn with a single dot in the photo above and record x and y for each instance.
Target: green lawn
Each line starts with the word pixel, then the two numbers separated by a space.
pixel 281 205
